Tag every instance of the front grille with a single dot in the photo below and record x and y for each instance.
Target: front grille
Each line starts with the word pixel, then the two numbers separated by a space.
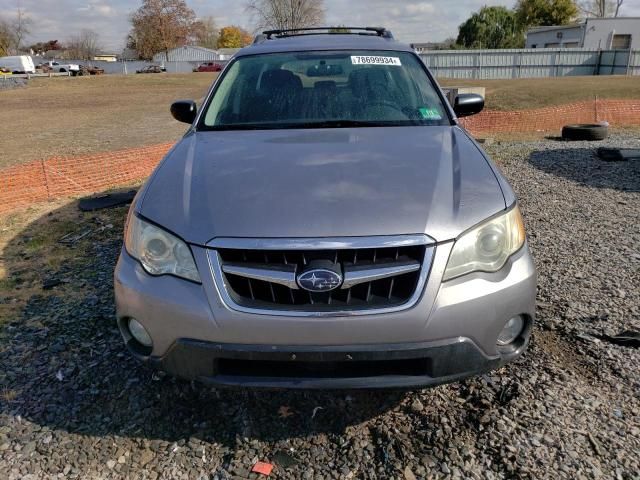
pixel 253 293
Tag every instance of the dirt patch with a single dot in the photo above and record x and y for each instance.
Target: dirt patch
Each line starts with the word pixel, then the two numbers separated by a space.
pixel 560 351
pixel 34 256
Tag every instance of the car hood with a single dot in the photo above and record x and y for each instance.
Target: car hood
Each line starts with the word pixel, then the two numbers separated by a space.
pixel 322 183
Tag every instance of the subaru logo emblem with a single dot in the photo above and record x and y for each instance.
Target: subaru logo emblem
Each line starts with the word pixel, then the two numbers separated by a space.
pixel 319 280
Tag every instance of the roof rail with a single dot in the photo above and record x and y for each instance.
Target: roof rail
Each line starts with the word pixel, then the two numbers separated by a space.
pixel 296 32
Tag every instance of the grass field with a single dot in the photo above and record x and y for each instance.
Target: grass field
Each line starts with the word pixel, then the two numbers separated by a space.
pixel 524 94
pixel 73 116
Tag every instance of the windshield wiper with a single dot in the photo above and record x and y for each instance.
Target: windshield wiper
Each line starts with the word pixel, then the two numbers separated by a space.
pixel 309 125
pixel 340 124
pixel 349 124
pixel 252 126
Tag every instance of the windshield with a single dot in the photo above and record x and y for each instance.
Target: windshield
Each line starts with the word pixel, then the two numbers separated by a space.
pixel 325 89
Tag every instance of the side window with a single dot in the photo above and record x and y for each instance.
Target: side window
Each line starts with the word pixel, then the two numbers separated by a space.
pixel 222 98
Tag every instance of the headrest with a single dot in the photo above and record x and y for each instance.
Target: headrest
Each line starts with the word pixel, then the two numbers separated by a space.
pixel 280 80
pixel 366 81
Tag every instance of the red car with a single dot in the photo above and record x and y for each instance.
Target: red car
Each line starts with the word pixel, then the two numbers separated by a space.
pixel 208 67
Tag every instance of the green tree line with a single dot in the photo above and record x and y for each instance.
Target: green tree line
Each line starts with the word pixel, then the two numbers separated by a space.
pixel 500 27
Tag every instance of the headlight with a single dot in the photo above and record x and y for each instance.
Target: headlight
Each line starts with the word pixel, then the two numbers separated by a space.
pixel 159 252
pixel 487 247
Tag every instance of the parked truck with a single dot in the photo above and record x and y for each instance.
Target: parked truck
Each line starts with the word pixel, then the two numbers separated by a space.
pixel 56 67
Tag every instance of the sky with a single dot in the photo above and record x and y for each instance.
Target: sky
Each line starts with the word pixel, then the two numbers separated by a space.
pixel 410 20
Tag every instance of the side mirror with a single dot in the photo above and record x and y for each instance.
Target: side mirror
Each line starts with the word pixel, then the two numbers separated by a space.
pixel 184 111
pixel 467 104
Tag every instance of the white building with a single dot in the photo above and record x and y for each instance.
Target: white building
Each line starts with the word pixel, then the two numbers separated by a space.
pixel 621 33
pixel 192 53
pixel 226 53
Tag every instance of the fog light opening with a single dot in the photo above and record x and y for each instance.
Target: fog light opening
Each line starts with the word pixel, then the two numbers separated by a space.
pixel 511 331
pixel 139 333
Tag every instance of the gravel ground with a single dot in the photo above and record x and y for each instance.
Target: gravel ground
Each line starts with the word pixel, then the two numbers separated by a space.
pixel 74 404
pixel 8 83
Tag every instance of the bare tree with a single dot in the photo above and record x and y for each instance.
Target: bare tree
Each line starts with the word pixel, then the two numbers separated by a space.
pixel 286 14
pixel 83 46
pixel 21 27
pixel 205 33
pixel 601 8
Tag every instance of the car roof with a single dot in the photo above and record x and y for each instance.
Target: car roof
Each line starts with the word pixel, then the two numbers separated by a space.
pixel 333 41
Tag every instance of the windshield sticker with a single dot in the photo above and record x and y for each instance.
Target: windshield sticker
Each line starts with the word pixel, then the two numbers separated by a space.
pixel 430 113
pixel 358 60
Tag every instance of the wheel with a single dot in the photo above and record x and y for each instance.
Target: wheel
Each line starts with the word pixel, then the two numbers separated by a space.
pixel 62 70
pixel 589 132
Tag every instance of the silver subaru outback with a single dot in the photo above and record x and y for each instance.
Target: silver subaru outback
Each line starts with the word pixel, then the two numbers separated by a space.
pixel 326 223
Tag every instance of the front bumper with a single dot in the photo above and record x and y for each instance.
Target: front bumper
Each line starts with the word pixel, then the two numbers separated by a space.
pixel 451 332
pixel 335 367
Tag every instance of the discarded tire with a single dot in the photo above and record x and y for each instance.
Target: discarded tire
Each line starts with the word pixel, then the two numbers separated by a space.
pixel 592 132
